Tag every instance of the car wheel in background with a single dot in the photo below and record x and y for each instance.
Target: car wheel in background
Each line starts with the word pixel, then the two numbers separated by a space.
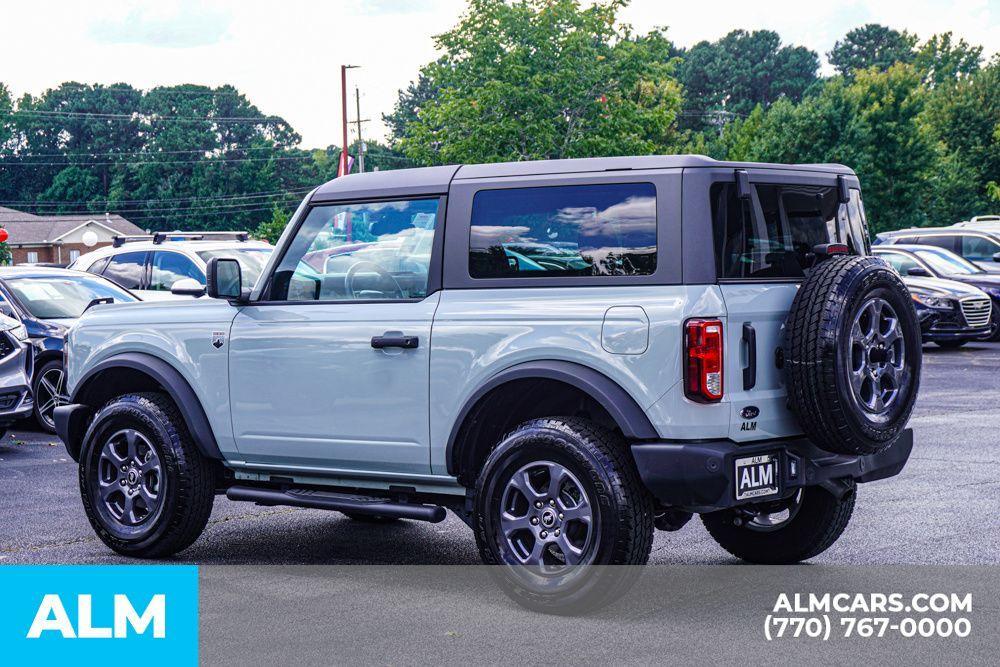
pixel 49 391
pixel 787 531
pixel 561 514
pixel 146 489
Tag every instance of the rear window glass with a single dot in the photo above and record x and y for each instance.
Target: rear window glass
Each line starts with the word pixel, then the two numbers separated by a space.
pixel 773 234
pixel 577 230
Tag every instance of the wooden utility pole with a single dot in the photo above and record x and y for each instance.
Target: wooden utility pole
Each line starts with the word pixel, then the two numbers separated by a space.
pixel 361 143
pixel 342 166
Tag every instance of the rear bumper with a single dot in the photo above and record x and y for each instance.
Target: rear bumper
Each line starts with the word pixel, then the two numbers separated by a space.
pixel 698 476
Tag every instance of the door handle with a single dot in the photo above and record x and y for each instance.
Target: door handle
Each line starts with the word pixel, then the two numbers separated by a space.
pixel 750 370
pixel 395 339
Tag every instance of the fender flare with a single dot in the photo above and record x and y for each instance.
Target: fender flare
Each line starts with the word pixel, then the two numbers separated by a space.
pixel 172 382
pixel 624 409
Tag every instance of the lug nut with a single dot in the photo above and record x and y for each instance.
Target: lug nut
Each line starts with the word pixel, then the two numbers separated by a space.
pixel 124 468
pixel 123 482
pixel 557 532
pixel 538 504
pixel 534 521
pixel 552 502
pixel 560 516
pixel 544 534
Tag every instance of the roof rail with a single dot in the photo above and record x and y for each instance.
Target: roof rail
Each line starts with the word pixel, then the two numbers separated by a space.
pixel 160 237
pixel 118 241
pixel 980 220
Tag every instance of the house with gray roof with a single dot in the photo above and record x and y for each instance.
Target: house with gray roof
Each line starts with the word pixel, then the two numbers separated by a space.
pixel 59 239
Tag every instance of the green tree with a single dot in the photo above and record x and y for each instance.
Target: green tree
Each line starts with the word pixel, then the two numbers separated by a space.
pixel 740 71
pixel 871 45
pixel 873 124
pixel 76 185
pixel 271 230
pixel 941 60
pixel 410 101
pixel 535 79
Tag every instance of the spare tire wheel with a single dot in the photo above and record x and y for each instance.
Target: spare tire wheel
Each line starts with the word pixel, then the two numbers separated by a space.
pixel 852 353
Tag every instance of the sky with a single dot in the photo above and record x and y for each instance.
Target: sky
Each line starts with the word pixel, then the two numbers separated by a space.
pixel 285 55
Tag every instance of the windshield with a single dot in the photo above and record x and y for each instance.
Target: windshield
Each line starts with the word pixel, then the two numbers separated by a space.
pixel 64 296
pixel 252 260
pixel 947 263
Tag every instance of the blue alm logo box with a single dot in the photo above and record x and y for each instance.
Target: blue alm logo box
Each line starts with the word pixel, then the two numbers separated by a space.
pixel 81 614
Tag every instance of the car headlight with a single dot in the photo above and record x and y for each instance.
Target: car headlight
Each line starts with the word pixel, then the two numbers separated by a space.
pixel 19 332
pixel 936 302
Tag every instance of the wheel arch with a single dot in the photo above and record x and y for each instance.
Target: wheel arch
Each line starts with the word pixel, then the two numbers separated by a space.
pixel 137 371
pixel 583 386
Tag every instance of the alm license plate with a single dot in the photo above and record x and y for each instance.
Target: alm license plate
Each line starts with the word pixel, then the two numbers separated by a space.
pixel 756 476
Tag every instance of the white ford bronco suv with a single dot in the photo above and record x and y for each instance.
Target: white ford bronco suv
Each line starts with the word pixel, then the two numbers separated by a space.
pixel 565 354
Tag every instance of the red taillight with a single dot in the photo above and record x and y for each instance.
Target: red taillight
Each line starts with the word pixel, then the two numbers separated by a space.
pixel 703 348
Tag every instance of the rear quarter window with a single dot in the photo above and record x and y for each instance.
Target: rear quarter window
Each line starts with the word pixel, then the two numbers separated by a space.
pixel 773 234
pixel 575 230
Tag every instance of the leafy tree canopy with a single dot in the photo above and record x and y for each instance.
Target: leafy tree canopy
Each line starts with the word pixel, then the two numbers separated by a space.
pixel 535 79
pixel 732 75
pixel 871 45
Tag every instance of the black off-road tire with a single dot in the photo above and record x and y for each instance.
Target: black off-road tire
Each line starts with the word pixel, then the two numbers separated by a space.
pixel 950 344
pixel 817 355
pixel 622 515
pixel 819 521
pixel 188 478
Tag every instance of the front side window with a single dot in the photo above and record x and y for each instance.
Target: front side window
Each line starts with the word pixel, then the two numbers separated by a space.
pixel 251 260
pixel 773 235
pixel 126 269
pixel 576 230
pixel 938 240
pixel 979 248
pixel 169 267
pixel 372 251
pixel 900 262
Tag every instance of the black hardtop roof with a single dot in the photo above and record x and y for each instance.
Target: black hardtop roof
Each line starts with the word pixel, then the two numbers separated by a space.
pixel 435 180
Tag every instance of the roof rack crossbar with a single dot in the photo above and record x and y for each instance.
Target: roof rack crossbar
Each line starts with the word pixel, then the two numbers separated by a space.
pixel 160 237
pixel 119 240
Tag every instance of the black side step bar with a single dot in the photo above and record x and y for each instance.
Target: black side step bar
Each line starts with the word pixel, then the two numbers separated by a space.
pixel 340 502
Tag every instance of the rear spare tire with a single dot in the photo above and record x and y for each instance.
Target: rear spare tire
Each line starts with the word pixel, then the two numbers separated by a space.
pixel 852 355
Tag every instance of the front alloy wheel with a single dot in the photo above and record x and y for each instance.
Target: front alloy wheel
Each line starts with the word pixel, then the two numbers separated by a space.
pixel 130 478
pixel 50 393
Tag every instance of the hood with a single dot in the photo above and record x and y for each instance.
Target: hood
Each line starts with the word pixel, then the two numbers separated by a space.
pixel 984 280
pixel 145 313
pixel 941 287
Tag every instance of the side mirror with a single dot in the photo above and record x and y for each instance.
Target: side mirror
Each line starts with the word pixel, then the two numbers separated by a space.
pixel 7 309
pixel 187 287
pixel 996 257
pixel 918 271
pixel 223 279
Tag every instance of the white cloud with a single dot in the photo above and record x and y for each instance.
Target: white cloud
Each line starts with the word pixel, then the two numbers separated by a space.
pixel 285 56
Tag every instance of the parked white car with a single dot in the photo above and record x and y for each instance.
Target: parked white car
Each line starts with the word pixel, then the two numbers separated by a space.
pixel 171 265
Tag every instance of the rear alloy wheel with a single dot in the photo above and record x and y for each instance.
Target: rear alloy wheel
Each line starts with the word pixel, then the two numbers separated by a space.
pixel 49 391
pixel 561 512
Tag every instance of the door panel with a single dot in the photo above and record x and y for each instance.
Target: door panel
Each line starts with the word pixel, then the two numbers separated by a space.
pixel 308 389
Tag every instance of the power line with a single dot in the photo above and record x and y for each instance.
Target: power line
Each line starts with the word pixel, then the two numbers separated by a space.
pixel 196 151
pixel 125 163
pixel 209 198
pixel 205 206
pixel 140 116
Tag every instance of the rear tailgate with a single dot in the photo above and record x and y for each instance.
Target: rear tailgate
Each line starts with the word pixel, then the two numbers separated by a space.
pixel 754 384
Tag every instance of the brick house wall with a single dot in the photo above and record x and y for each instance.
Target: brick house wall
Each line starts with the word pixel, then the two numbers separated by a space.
pixel 49 253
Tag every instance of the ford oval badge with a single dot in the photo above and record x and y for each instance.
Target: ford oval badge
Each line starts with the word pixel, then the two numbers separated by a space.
pixel 750 412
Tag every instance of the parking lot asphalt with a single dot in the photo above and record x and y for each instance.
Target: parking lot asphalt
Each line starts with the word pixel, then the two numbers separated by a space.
pixel 942 509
